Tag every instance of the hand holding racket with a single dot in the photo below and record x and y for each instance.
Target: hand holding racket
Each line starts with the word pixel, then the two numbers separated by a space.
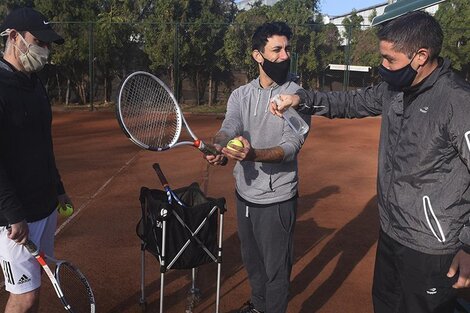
pixel 149 115
pixel 69 283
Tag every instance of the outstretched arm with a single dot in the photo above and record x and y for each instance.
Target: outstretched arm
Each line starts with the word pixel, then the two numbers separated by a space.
pixel 338 104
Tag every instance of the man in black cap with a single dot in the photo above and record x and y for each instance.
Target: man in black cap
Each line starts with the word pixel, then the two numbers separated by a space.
pixel 30 184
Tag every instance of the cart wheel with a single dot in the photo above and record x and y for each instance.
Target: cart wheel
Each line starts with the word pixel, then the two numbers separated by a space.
pixel 143 305
pixel 193 299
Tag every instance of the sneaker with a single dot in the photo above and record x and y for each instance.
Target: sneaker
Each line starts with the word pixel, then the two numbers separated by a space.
pixel 248 307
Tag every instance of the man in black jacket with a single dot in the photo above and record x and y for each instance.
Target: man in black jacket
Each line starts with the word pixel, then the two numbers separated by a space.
pixel 424 162
pixel 30 185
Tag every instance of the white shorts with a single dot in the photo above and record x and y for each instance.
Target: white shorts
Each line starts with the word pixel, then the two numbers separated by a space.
pixel 21 270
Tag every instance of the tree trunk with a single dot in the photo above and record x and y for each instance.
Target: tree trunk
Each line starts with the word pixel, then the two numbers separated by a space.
pixel 210 89
pixel 59 90
pixel 198 94
pixel 81 87
pixel 67 92
pixel 107 89
pixel 216 92
pixel 171 75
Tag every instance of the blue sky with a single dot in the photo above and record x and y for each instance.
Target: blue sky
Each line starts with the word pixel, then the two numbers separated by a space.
pixel 339 7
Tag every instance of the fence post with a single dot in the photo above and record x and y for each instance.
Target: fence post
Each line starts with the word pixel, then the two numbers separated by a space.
pixel 176 62
pixel 90 63
pixel 347 59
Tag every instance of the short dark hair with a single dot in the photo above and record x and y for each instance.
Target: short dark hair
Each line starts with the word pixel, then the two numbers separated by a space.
pixel 267 30
pixel 413 31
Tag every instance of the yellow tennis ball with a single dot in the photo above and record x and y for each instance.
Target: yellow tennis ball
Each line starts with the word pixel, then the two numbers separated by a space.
pixel 234 142
pixel 66 210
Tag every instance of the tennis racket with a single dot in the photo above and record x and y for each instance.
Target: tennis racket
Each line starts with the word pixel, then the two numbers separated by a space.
pixel 70 285
pixel 169 192
pixel 172 196
pixel 149 115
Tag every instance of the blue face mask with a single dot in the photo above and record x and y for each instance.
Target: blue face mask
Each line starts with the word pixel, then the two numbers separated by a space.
pixel 401 78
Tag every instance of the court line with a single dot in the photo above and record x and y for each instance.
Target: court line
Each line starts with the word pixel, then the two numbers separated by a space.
pixel 84 205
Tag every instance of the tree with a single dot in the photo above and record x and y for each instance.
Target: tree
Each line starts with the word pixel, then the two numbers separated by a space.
pixel 160 31
pixel 366 50
pixel 203 41
pixel 117 47
pixel 299 15
pixel 75 21
pixel 237 41
pixel 8 5
pixel 352 29
pixel 454 17
pixel 184 39
pixel 324 49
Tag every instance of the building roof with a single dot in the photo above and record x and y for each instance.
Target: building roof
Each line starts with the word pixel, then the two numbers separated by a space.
pixel 372 7
pixel 351 68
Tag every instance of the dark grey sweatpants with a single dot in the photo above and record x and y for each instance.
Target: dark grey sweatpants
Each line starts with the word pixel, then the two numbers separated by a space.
pixel 266 235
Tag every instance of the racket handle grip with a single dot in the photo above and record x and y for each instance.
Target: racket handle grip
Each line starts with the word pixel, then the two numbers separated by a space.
pixel 160 174
pixel 224 161
pixel 31 247
pixel 210 150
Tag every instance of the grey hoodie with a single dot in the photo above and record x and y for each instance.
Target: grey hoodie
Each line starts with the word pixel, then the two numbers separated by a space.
pixel 248 116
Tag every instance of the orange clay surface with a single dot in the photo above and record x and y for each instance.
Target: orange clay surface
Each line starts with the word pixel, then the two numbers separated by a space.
pixel 335 235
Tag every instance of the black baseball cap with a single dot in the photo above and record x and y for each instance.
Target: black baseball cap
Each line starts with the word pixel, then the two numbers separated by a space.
pixel 28 19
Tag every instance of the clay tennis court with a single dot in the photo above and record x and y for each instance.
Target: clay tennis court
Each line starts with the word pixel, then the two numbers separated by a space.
pixel 335 236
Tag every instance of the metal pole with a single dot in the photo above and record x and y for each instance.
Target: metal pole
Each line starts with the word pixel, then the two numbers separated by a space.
pixel 347 59
pixel 90 62
pixel 176 62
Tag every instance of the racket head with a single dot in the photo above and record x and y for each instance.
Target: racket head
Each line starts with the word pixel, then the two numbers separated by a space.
pixel 148 112
pixel 77 294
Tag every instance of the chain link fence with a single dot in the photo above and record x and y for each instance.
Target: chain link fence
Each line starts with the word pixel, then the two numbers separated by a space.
pixel 202 64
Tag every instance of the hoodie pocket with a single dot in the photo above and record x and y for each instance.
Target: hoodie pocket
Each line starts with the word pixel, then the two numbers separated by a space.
pixel 432 220
pixel 253 179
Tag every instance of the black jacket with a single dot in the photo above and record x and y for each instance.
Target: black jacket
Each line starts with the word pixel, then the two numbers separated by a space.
pixel 29 180
pixel 423 185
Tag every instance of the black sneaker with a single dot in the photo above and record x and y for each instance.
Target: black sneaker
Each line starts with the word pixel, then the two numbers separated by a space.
pixel 248 307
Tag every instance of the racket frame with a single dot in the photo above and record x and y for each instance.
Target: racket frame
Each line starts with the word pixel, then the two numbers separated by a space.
pixel 55 277
pixel 181 121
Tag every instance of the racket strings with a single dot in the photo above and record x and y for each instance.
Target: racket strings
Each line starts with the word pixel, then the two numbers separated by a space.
pixel 149 112
pixel 75 289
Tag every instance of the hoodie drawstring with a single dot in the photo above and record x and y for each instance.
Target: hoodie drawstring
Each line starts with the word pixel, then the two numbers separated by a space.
pixel 257 101
pixel 269 100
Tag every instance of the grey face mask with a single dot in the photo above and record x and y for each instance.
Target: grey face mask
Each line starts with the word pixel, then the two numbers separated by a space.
pixel 34 58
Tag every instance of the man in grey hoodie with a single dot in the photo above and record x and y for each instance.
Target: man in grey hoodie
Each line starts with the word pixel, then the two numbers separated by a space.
pixel 266 171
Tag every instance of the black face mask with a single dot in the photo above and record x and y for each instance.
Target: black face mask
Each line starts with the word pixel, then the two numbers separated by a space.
pixel 399 79
pixel 276 71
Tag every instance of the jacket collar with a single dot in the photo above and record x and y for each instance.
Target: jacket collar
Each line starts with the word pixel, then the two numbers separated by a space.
pixel 443 67
pixel 12 77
